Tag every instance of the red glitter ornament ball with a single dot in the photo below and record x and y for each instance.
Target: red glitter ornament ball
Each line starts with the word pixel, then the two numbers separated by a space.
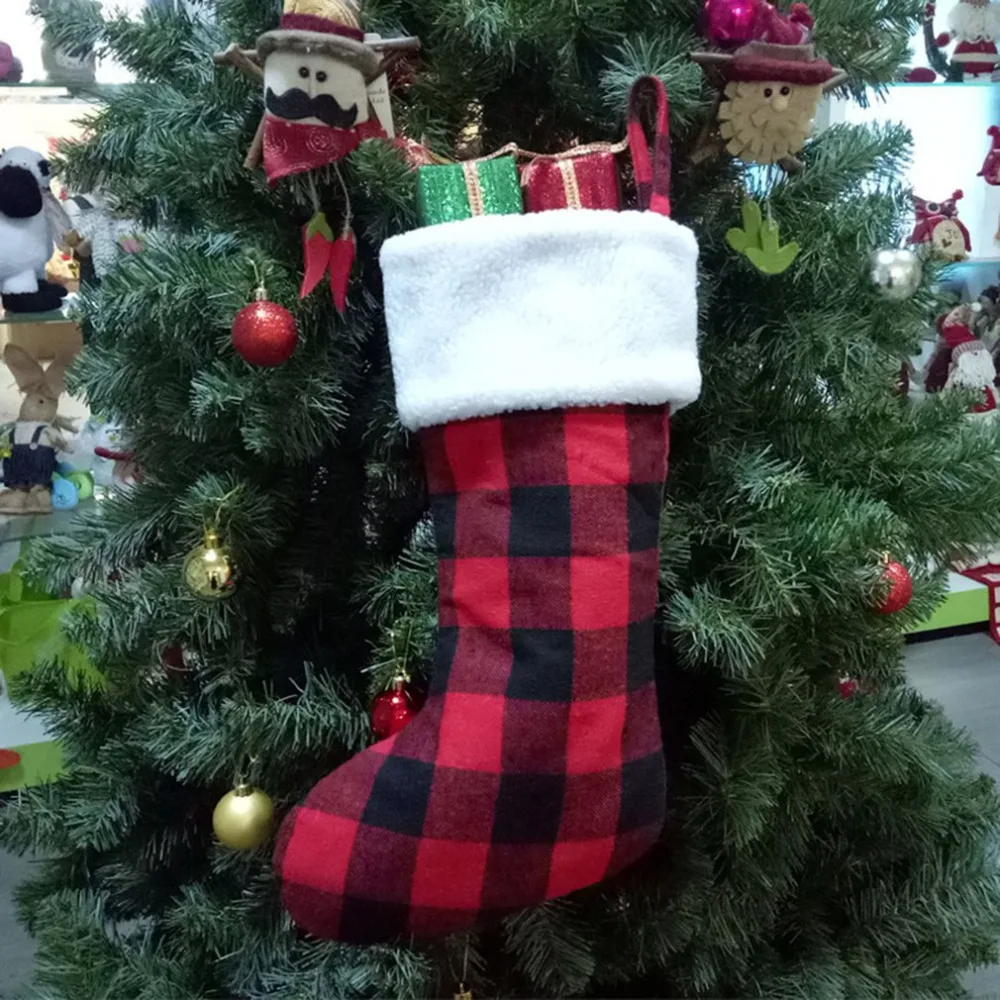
pixel 849 687
pixel 265 333
pixel 729 22
pixel 394 709
pixel 900 589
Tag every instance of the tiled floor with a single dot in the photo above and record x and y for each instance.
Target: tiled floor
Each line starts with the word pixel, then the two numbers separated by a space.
pixel 963 673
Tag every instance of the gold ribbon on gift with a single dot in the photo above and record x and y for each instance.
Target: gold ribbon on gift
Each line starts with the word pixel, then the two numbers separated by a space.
pixel 571 186
pixel 473 187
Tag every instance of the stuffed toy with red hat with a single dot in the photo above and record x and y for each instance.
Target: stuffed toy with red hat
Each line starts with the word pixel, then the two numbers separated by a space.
pixel 961 360
pixel 939 226
pixel 10 66
pixel 772 89
pixel 971 367
pixel 975 26
pixel 991 165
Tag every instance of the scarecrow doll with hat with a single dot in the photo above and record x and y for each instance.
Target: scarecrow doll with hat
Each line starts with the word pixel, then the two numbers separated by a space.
pixel 770 90
pixel 316 68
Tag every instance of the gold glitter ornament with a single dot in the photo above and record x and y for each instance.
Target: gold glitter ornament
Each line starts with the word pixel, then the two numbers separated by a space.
pixel 209 570
pixel 243 818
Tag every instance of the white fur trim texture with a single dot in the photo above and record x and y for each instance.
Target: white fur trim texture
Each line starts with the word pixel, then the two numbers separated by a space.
pixel 541 311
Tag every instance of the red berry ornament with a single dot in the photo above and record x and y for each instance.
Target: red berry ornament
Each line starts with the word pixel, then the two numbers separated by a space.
pixel 849 687
pixel 900 589
pixel 265 333
pixel 174 665
pixel 394 709
pixel 729 22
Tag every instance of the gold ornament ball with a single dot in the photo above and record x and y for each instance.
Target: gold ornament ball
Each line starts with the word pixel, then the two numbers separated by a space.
pixel 242 820
pixel 209 571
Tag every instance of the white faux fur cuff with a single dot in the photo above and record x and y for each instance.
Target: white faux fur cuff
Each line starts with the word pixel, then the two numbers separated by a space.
pixel 541 311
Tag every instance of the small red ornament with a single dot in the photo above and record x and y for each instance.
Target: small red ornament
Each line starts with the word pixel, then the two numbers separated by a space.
pixel 394 709
pixel 265 333
pixel 174 664
pixel 900 589
pixel 9 758
pixel 849 687
pixel 729 22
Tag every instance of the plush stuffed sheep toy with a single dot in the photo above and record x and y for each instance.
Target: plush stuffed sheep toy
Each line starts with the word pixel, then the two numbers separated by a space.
pixel 31 222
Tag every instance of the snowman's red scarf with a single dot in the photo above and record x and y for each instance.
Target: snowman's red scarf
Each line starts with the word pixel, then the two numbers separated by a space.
pixel 294 148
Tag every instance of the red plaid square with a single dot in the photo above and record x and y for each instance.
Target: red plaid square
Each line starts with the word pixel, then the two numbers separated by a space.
pixel 475 455
pixel 536 766
pixel 471 732
pixel 578 863
pixel 594 740
pixel 600 591
pixel 480 593
pixel 597 452
pixel 334 837
pixel 449 874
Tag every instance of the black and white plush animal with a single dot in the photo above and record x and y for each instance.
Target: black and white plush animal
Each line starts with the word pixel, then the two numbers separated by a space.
pixel 31 221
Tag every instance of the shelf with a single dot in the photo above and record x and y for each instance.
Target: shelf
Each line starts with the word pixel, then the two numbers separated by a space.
pixel 946 83
pixel 976 262
pixel 56 316
pixel 22 527
pixel 967 603
pixel 16 319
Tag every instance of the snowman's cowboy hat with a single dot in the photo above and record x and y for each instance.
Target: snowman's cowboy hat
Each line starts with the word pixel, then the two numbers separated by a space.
pixel 761 62
pixel 327 27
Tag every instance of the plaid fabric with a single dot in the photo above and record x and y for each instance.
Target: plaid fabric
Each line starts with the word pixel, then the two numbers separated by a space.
pixel 536 767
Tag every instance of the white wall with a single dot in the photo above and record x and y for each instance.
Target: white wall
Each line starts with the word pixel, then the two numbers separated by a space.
pixel 949 124
pixel 23 33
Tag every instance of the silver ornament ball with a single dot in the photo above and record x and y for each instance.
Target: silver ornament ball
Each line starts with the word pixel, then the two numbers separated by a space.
pixel 896 273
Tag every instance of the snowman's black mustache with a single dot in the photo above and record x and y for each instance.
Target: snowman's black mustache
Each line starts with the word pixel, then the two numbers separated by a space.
pixel 295 104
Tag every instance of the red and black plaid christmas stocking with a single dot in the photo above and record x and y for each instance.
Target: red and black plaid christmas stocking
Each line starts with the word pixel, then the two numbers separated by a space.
pixel 539 357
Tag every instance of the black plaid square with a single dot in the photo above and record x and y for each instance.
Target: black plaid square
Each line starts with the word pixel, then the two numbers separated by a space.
pixel 540 521
pixel 542 666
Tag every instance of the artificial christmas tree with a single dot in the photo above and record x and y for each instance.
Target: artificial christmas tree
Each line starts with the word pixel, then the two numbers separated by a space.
pixel 812 845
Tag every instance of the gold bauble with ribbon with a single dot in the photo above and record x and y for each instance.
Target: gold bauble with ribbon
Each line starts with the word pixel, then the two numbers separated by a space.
pixel 243 818
pixel 209 570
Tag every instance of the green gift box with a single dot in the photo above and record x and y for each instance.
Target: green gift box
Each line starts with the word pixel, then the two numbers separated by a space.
pixel 462 190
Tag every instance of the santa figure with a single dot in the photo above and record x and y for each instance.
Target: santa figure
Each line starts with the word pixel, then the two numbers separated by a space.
pixel 971 366
pixel 975 26
pixel 991 165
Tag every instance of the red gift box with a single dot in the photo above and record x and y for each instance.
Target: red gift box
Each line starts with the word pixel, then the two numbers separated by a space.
pixel 580 178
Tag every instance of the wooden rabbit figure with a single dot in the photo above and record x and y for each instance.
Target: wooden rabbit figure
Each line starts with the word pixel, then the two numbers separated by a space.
pixel 30 450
